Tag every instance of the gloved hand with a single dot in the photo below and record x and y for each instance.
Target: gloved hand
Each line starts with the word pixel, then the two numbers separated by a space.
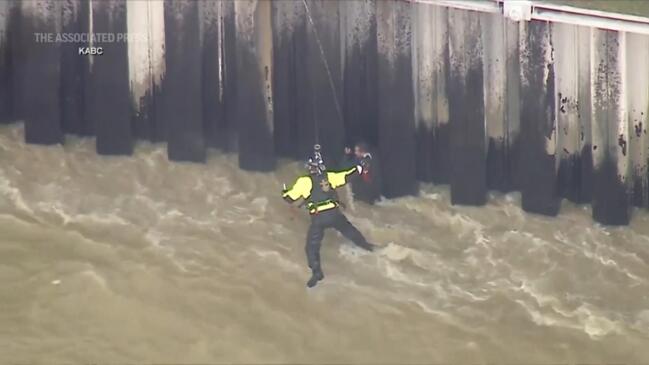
pixel 365 163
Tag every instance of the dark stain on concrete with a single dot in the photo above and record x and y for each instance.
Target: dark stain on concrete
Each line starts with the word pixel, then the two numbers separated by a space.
pixel 182 84
pixel 73 113
pixel 256 146
pixel 212 101
pixel 396 108
pixel 41 78
pixel 621 141
pixel 539 181
pixel 9 66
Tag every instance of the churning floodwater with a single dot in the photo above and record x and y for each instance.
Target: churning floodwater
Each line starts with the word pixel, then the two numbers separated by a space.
pixel 138 259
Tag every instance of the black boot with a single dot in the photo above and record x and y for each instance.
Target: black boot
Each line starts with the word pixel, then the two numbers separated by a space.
pixel 367 246
pixel 315 277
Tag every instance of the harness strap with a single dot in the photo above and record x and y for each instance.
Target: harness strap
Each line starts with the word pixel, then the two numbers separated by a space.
pixel 317 207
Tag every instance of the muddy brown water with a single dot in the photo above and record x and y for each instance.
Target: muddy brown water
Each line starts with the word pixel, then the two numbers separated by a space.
pixel 131 260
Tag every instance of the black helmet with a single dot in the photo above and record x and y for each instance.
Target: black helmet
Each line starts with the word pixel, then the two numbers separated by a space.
pixel 315 164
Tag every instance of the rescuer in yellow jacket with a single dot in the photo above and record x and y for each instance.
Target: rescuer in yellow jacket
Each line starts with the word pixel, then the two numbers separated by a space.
pixel 317 192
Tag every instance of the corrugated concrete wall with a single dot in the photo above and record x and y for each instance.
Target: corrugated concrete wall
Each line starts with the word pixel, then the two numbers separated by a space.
pixel 7 29
pixel 446 96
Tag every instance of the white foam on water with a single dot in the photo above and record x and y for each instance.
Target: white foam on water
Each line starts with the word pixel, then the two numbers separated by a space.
pixel 547 312
pixel 641 321
pixel 393 272
pixel 541 319
pixel 597 325
pixel 14 195
pixel 467 295
pixel 425 260
pixel 96 218
pixel 596 251
pixel 395 252
pixel 445 316
pixel 158 240
pixel 95 277
pixel 586 318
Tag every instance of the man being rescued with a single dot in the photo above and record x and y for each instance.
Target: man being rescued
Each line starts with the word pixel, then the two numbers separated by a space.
pixel 317 190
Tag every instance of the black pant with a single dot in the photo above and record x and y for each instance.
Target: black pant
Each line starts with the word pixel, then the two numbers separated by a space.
pixel 329 219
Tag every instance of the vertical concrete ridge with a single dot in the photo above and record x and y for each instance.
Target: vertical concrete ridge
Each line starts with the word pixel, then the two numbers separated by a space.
pixel 396 137
pixel 359 50
pixel 145 24
pixel 182 83
pixel 227 137
pixel 7 34
pixel 465 89
pixel 429 48
pixel 441 131
pixel 325 73
pixel 211 25
pixel 567 102
pixel 139 54
pixel 495 62
pixel 254 112
pixel 637 91
pixel 289 25
pixel 109 89
pixel 512 107
pixel 41 71
pixel 538 161
pixel 73 106
pixel 15 59
pixel 609 128
pixel 585 116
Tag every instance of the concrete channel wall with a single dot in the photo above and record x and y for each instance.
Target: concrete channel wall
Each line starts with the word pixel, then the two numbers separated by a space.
pixel 447 96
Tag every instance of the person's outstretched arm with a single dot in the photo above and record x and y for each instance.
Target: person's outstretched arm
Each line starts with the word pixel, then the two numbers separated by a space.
pixel 340 178
pixel 301 189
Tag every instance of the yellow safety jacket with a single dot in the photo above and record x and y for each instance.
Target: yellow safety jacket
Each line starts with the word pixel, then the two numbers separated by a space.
pixel 321 199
